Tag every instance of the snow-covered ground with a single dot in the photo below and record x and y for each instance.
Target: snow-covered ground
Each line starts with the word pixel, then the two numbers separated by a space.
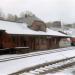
pixel 16 65
pixel 69 71
pixel 60 73
pixel 66 72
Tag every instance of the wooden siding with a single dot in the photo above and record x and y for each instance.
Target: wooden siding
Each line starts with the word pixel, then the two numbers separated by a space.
pixel 5 40
pixel 34 43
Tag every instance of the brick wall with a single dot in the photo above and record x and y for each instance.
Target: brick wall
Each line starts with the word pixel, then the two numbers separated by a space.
pixel 38 26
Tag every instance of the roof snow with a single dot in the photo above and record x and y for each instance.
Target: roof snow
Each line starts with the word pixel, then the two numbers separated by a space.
pixel 21 28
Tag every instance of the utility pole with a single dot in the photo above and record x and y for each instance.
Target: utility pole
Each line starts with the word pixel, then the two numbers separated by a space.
pixel 62 25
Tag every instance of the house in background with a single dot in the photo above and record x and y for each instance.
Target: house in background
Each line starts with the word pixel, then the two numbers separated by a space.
pixel 36 36
pixel 56 25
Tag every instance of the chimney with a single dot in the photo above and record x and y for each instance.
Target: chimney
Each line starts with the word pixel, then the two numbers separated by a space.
pixel 38 26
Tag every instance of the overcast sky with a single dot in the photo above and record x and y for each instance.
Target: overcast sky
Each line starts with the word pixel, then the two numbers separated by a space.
pixel 47 10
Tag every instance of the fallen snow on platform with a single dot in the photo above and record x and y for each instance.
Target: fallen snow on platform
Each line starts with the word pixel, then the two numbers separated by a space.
pixel 16 65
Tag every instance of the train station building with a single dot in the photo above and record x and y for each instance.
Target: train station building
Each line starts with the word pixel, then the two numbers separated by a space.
pixel 34 37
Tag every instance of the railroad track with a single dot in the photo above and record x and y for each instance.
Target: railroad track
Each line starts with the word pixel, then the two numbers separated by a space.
pixel 20 56
pixel 49 67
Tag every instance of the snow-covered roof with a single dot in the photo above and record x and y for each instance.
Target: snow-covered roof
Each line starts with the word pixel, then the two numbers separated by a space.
pixel 21 28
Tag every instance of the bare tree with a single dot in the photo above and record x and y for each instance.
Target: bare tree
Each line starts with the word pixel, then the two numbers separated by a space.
pixel 11 17
pixel 15 17
pixel 27 13
pixel 22 14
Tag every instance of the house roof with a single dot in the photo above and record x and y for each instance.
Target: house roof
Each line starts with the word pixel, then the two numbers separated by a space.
pixel 21 28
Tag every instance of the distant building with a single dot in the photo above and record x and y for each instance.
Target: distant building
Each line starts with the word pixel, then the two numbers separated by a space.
pixel 56 25
pixel 67 26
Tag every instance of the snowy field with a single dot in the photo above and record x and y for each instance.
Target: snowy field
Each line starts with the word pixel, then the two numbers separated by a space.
pixel 9 67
